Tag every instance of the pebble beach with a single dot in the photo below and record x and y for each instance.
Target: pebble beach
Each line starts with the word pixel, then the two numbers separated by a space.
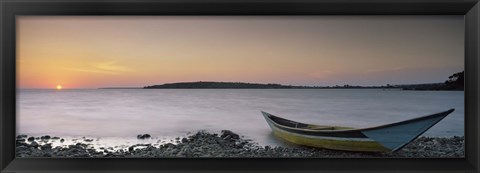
pixel 225 144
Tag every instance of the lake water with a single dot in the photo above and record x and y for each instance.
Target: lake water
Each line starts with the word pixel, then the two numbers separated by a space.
pixel 169 113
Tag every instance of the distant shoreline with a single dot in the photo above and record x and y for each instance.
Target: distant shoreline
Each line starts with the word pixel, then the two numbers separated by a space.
pixel 455 82
pixel 262 88
pixel 242 85
pixel 121 88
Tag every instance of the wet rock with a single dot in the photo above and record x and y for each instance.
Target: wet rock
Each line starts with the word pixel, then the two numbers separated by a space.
pixel 227 134
pixel 34 144
pixel 144 136
pixel 46 147
pixel 169 145
pixel 30 139
pixel 21 136
pixel 184 140
pixel 21 148
pixel 62 140
pixel 81 145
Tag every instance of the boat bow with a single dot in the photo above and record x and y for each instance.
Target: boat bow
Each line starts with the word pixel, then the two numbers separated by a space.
pixel 396 135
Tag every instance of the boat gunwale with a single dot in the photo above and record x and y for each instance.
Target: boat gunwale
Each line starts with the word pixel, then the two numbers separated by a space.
pixel 444 113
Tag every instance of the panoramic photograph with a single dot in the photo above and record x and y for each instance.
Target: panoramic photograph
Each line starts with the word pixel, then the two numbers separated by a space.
pixel 240 86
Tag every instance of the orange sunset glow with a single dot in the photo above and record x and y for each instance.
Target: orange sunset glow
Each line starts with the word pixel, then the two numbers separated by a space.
pixel 102 51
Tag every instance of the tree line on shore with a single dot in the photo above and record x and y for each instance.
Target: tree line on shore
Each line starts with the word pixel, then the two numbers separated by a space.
pixel 454 82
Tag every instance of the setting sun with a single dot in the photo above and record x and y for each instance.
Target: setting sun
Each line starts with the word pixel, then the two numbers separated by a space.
pixel 59 87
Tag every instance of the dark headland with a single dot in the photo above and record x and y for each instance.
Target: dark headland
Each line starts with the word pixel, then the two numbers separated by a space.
pixel 454 82
pixel 223 85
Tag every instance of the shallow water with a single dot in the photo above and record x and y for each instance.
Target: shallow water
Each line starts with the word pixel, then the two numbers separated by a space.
pixel 121 114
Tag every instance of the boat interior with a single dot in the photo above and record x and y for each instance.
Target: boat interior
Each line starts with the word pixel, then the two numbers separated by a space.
pixel 294 124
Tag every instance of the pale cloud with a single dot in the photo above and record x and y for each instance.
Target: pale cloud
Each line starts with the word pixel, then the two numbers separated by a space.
pixel 91 70
pixel 385 70
pixel 110 67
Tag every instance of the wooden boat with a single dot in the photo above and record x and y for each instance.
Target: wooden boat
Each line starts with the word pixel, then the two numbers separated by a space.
pixel 384 138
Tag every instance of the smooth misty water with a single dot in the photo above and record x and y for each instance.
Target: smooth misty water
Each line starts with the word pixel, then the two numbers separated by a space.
pixel 169 113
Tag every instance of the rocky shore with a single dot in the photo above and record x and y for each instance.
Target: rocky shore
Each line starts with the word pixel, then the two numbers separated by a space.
pixel 228 144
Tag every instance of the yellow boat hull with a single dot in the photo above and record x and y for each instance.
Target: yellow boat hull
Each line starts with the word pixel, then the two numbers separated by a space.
pixel 345 145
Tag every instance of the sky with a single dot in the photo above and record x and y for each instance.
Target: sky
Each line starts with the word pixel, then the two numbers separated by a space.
pixel 137 51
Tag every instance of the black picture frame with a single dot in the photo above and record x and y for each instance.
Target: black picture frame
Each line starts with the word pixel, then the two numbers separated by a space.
pixel 11 8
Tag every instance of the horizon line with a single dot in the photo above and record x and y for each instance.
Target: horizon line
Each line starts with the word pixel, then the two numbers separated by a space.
pixel 141 87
